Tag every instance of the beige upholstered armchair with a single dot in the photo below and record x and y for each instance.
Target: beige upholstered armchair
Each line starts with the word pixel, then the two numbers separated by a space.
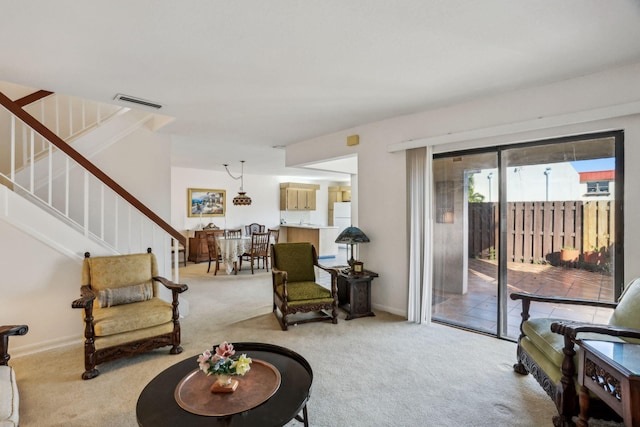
pixel 9 399
pixel 122 311
pixel 546 347
pixel 294 285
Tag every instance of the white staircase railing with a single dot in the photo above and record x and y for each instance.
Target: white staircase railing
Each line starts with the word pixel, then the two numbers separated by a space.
pixel 61 181
pixel 70 116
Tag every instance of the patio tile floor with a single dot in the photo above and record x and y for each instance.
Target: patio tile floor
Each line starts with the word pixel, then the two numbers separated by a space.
pixel 477 309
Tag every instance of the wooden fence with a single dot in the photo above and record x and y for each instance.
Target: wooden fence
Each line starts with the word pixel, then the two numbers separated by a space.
pixel 537 231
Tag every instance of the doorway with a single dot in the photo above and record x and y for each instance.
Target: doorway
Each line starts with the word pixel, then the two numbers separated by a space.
pixel 504 218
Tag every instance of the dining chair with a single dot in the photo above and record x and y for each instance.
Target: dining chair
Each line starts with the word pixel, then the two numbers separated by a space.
pixel 214 255
pixel 233 234
pixel 259 250
pixel 274 235
pixel 253 228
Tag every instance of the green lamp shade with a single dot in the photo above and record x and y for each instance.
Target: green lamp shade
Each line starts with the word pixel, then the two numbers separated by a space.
pixel 352 235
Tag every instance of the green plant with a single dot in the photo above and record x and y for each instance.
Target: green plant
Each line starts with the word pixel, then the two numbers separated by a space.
pixel 473 196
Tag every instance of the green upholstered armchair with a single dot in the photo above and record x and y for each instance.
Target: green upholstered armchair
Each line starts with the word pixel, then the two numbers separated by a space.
pixel 294 285
pixel 546 347
pixel 122 311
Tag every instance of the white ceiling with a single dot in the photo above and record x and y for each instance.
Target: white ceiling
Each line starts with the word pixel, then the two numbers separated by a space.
pixel 242 77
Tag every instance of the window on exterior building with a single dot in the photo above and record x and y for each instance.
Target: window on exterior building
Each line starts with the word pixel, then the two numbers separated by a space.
pixel 597 187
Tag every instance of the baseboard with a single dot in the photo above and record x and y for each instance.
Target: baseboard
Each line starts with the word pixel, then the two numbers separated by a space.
pixel 391 310
pixel 25 350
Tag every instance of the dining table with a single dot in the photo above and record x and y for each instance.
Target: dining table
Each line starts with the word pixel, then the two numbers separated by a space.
pixel 231 250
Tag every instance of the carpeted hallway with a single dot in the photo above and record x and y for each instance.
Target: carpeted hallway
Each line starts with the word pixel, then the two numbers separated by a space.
pixel 373 371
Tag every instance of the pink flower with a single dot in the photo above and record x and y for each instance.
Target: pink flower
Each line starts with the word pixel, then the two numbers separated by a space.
pixel 225 350
pixel 203 360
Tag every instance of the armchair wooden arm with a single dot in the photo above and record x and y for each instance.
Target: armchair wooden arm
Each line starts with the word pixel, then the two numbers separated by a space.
pixel 334 279
pixel 177 287
pixel 561 300
pixel 528 298
pixel 283 280
pixel 5 332
pixel 572 329
pixel 86 298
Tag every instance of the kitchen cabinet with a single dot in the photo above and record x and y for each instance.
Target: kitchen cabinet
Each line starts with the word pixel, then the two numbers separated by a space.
pixel 298 197
pixel 322 237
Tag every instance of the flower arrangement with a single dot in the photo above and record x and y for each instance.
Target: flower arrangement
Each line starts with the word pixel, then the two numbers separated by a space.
pixel 223 361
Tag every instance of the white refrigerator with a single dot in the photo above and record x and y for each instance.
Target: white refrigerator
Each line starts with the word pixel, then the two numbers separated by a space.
pixel 342 215
pixel 342 220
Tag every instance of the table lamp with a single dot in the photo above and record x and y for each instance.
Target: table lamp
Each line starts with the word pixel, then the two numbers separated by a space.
pixel 352 236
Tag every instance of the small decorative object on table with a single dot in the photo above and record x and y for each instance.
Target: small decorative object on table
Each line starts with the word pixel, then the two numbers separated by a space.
pixel 358 268
pixel 224 364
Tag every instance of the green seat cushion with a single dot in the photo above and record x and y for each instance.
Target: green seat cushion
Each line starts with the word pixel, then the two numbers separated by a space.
pixel 538 334
pixel 305 292
pixel 548 343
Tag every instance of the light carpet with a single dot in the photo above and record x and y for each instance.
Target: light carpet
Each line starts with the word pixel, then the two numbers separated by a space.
pixel 372 371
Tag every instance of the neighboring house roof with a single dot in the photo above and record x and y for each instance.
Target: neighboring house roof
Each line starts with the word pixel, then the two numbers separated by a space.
pixel 597 176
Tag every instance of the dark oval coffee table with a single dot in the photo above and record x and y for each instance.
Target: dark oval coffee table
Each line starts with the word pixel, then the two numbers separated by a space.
pixel 157 405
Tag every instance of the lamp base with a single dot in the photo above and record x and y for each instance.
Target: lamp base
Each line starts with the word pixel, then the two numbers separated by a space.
pixel 351 260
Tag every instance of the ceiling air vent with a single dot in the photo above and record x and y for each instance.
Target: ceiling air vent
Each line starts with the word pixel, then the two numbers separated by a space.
pixel 139 101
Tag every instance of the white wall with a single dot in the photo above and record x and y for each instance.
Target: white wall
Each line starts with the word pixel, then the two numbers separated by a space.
pixel 263 190
pixel 560 109
pixel 265 200
pixel 39 283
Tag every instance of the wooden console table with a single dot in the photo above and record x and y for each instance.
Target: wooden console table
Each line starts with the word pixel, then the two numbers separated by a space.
pixel 354 293
pixel 611 370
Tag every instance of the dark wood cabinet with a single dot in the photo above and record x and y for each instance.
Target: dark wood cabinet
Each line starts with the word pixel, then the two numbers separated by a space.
pixel 198 249
pixel 354 294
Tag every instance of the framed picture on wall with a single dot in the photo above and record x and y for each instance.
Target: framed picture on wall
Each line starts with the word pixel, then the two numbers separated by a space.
pixel 206 202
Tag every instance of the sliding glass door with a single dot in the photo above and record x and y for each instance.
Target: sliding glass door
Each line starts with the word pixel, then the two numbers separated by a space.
pixel 465 291
pixel 542 217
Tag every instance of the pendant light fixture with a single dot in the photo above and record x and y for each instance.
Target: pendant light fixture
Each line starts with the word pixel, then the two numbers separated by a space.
pixel 241 199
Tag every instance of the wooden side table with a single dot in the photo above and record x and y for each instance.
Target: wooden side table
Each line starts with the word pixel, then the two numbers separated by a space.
pixel 611 370
pixel 354 294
